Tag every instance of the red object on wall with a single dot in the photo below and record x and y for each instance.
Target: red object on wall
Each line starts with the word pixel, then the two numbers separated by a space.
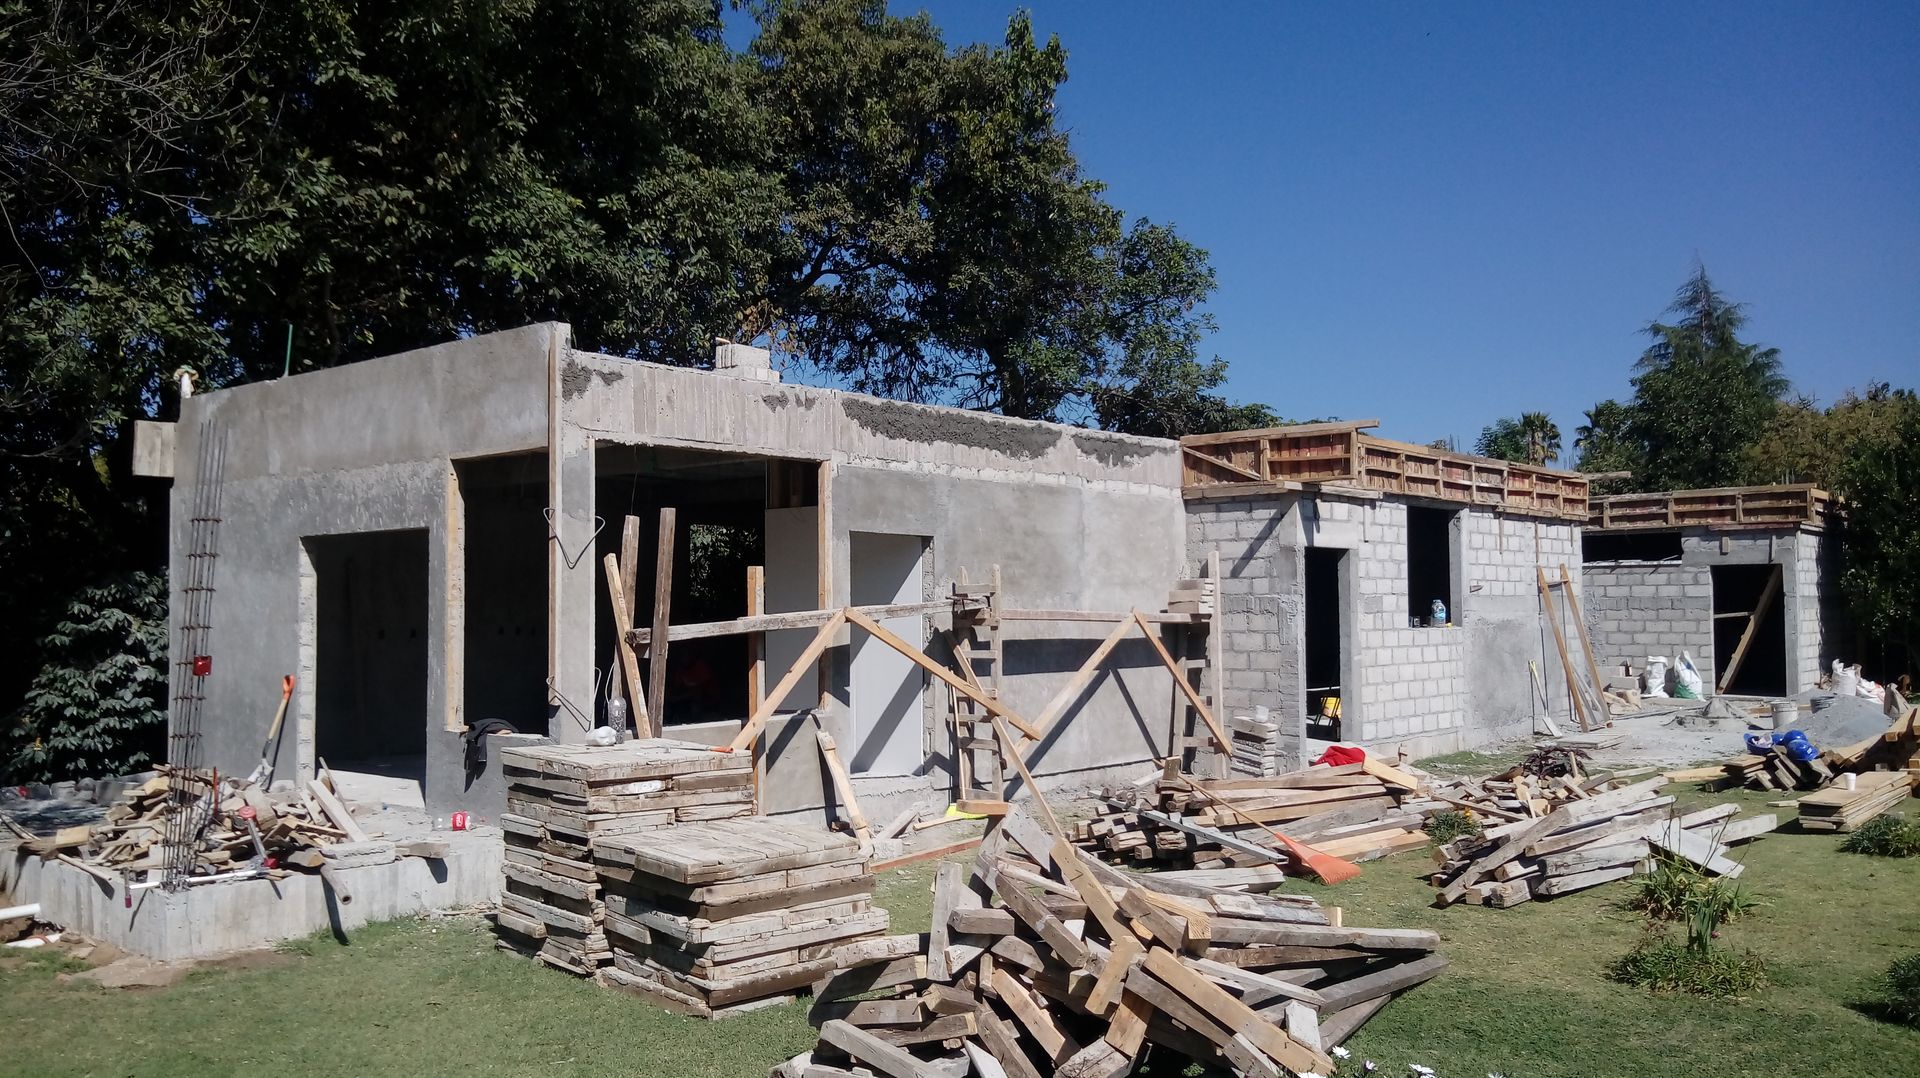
pixel 1341 754
pixel 202 665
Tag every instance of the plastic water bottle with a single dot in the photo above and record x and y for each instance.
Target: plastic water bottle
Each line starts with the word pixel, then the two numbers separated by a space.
pixel 1439 613
pixel 617 715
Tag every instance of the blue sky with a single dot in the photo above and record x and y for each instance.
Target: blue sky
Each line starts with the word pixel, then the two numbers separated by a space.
pixel 1440 214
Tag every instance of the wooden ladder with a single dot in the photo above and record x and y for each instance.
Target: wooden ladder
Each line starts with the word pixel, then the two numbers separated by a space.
pixel 979 767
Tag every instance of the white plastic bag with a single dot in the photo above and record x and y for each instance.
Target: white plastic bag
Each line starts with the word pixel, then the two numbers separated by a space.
pixel 1656 676
pixel 1686 679
pixel 1846 679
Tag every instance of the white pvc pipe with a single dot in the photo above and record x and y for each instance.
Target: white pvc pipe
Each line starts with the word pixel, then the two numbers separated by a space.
pixel 31 909
pixel 36 941
pixel 195 881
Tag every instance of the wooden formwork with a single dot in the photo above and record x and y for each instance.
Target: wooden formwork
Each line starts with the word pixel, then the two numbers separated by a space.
pixel 1800 504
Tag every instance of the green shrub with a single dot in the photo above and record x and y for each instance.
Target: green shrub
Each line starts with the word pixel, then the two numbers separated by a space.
pixel 1663 964
pixel 1453 824
pixel 1885 836
pixel 98 704
pixel 1901 986
pixel 1677 890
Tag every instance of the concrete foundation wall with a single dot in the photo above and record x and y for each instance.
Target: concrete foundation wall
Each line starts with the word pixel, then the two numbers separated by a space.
pixel 1432 689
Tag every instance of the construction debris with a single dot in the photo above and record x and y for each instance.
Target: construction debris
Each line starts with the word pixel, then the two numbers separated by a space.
pixel 1046 961
pixel 1855 782
pixel 236 829
pixel 1352 812
pixel 563 801
pixel 1587 840
pixel 714 918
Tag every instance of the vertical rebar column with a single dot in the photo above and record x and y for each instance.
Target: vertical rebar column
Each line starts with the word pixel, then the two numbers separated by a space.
pixel 184 816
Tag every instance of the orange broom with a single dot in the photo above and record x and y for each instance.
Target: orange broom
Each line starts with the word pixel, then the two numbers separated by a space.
pixel 1329 868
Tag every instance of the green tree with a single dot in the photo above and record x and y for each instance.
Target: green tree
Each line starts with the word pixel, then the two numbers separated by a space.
pixel 1701 394
pixel 1502 440
pixel 1603 442
pixel 1880 552
pixel 1542 437
pixel 1804 443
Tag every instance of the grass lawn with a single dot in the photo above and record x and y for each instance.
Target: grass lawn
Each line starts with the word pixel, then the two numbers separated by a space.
pixel 1526 995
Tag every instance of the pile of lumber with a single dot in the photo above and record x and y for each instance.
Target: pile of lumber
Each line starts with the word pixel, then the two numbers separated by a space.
pixel 1044 960
pixel 1846 805
pixel 1352 811
pixel 1896 749
pixel 715 918
pixel 563 801
pixel 1547 779
pixel 232 825
pixel 1597 839
pixel 1255 749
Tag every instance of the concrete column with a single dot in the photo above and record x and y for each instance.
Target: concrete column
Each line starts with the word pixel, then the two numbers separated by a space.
pixel 571 568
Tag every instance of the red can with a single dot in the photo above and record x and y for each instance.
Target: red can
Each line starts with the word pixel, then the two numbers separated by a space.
pixel 461 821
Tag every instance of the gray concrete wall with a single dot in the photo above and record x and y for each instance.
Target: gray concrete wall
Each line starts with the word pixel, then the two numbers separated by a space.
pixel 356 449
pixel 1076 519
pixel 1429 689
pixel 1638 609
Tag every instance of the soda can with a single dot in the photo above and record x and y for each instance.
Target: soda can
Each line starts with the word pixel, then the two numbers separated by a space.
pixel 459 821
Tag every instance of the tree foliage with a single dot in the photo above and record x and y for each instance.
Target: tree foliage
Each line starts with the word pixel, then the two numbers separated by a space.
pixel 1533 438
pixel 100 706
pixel 1880 574
pixel 240 188
pixel 1804 443
pixel 1701 394
pixel 1605 445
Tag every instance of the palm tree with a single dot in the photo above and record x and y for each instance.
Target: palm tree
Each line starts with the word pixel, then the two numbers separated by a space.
pixel 1542 438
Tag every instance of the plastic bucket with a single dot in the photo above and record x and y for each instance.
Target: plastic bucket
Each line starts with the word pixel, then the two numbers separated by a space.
pixel 1784 713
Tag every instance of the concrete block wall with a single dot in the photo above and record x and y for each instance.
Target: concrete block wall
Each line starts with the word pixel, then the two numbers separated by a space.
pixel 1412 681
pixel 1637 609
pixel 1819 609
pixel 1260 607
pixel 1426 689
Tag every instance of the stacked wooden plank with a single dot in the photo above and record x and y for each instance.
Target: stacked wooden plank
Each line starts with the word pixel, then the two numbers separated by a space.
pixel 1256 746
pixel 1897 748
pixel 713 918
pixel 1605 836
pixel 1043 960
pixel 1354 811
pixel 1846 805
pixel 563 800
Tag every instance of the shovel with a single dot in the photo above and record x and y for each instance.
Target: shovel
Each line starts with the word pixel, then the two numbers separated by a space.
pixel 263 772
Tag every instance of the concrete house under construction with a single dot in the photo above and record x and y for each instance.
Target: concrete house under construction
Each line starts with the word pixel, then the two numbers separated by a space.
pixel 422 540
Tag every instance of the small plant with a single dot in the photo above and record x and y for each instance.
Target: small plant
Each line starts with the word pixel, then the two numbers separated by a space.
pixel 1445 827
pixel 1901 986
pixel 1885 836
pixel 1676 890
pixel 1663 964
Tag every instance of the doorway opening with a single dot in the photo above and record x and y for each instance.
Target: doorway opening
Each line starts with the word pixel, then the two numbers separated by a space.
pixel 1324 646
pixel 885 688
pixel 1746 603
pixel 731 511
pixel 504 590
pixel 370 661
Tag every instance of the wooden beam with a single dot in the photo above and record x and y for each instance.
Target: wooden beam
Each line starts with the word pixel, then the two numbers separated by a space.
pixel 1552 614
pixel 843 787
pixel 800 619
pixel 1580 626
pixel 629 662
pixel 662 610
pixel 1078 683
pixel 756 671
pixel 1180 681
pixel 888 637
pixel 808 656
pixel 1760 611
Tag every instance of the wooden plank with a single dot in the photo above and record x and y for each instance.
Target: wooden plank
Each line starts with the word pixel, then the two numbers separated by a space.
pixel 662 611
pixel 1760 611
pixel 336 811
pixel 949 850
pixel 885 1058
pixel 799 619
pixel 811 653
pixel 1031 1014
pixel 1580 627
pixel 843 789
pixel 1552 613
pixel 629 662
pixel 1078 683
pixel 919 658
pixel 756 674
pixel 1220 739
pixel 1234 1015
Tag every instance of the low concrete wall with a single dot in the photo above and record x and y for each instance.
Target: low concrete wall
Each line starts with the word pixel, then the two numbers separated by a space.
pixel 240 915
